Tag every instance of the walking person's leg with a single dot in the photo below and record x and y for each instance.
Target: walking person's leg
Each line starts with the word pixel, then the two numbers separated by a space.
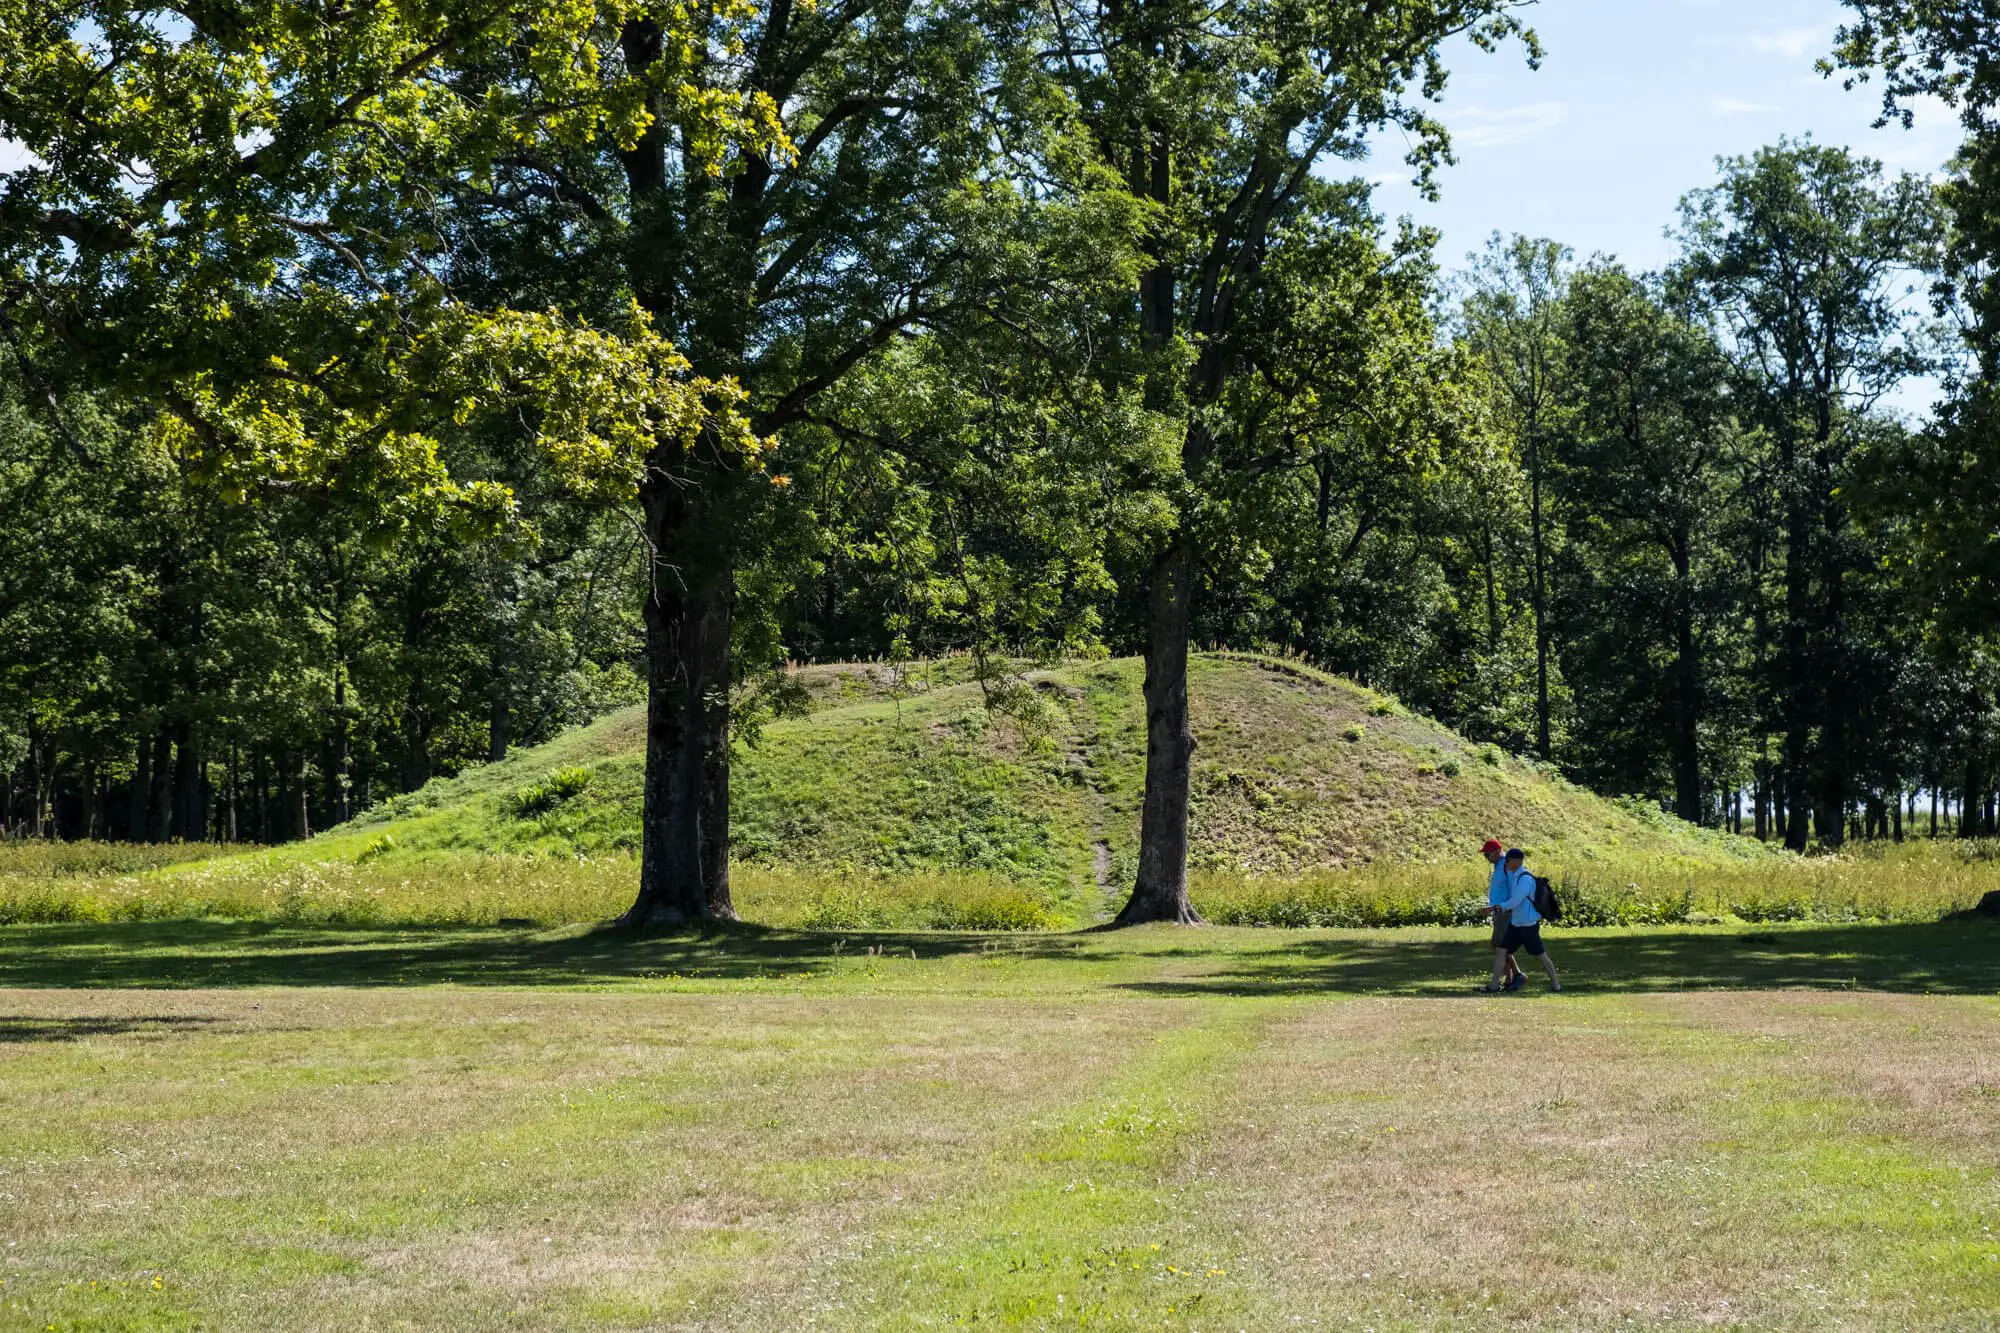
pixel 1530 939
pixel 1505 968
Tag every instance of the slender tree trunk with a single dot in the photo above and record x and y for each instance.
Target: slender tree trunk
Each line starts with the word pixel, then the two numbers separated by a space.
pixel 1541 598
pixel 1761 795
pixel 1934 809
pixel 301 798
pixel 498 718
pixel 188 821
pixel 141 789
pixel 1687 696
pixel 1968 808
pixel 1796 678
pixel 260 787
pixel 1835 780
pixel 416 764
pixel 159 801
pixel 1161 891
pixel 342 778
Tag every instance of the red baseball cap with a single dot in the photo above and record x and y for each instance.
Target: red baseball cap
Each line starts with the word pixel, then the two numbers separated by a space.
pixel 1490 845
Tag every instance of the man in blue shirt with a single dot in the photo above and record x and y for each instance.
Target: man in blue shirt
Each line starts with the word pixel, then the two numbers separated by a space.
pixel 1524 923
pixel 1505 969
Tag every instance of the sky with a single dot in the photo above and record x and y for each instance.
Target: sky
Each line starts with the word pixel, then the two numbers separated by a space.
pixel 1634 101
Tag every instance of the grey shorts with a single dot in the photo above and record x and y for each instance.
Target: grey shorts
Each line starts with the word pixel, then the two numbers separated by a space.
pixel 1499 930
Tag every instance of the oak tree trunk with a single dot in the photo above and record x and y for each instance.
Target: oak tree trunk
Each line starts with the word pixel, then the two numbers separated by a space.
pixel 1161 893
pixel 684 817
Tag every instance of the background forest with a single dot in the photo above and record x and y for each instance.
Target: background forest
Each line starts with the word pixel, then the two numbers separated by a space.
pixel 268 556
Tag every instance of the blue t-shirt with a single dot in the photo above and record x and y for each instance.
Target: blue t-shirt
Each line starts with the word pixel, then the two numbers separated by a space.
pixel 1520 900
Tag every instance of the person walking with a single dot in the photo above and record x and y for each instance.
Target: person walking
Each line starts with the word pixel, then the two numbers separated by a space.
pixel 1524 924
pixel 1505 969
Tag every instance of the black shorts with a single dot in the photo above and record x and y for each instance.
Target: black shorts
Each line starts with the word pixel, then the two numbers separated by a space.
pixel 1525 939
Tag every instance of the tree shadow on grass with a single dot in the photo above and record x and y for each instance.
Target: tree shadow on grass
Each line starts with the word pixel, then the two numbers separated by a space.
pixel 186 954
pixel 18 1030
pixel 1954 957
pixel 1948 957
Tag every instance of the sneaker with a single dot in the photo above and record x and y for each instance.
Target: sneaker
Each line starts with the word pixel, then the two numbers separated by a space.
pixel 1555 989
pixel 1520 980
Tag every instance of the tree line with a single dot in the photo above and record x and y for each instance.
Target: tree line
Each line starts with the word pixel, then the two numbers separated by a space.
pixel 383 389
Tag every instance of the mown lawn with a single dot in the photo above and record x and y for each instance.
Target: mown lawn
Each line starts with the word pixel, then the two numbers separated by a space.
pixel 255 1125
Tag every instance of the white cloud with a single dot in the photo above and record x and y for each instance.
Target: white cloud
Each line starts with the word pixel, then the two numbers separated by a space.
pixel 1792 43
pixel 1477 127
pixel 1736 106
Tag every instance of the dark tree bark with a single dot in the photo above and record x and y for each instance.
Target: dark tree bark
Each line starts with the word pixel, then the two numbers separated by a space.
pixel 684 847
pixel 159 801
pixel 1797 685
pixel 1542 747
pixel 1161 892
pixel 340 780
pixel 416 764
pixel 142 791
pixel 301 803
pixel 498 720
pixel 260 787
pixel 1687 692
pixel 189 823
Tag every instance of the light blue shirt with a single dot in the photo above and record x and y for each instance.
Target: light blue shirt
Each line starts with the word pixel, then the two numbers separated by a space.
pixel 1496 888
pixel 1519 902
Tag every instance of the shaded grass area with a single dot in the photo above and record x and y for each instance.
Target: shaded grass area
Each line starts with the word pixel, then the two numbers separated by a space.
pixel 1946 957
pixel 766 1155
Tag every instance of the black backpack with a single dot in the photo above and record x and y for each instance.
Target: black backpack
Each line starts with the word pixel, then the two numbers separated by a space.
pixel 1546 903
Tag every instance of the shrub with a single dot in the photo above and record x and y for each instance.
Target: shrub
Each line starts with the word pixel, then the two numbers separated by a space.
pixel 537 798
pixel 1353 732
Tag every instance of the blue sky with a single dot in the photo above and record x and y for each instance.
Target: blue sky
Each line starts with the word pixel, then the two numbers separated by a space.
pixel 1633 103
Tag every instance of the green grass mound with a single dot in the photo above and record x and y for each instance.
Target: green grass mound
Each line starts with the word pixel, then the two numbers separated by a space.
pixel 900 800
pixel 1296 771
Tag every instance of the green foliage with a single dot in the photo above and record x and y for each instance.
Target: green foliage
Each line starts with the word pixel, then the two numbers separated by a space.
pixel 563 784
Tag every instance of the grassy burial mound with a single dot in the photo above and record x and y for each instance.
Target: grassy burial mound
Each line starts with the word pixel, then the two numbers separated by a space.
pixel 893 773
pixel 900 799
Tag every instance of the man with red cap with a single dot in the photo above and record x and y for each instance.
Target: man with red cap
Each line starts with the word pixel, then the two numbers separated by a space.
pixel 1504 965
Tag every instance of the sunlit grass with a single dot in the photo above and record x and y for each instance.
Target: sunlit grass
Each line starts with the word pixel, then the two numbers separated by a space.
pixel 362 882
pixel 1034 1142
pixel 471 888
pixel 1917 881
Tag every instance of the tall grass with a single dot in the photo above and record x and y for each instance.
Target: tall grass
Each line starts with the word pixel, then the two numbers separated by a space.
pixel 381 884
pixel 1918 881
pixel 383 887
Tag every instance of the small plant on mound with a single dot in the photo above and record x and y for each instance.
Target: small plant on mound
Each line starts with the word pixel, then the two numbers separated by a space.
pixel 538 798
